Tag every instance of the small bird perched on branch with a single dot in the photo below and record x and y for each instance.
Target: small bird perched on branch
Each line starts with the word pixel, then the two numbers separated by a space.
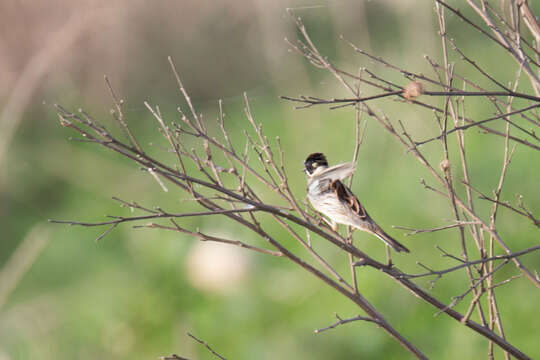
pixel 331 197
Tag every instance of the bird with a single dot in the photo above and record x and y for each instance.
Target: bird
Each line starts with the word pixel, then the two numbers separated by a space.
pixel 332 198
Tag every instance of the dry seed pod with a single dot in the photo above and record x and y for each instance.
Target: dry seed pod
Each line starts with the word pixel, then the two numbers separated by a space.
pixel 444 165
pixel 413 90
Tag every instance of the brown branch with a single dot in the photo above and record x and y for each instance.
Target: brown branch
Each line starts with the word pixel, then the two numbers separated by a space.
pixel 312 100
pixel 173 357
pixel 525 213
pixel 318 101
pixel 439 273
pixel 118 115
pixel 420 231
pixel 497 38
pixel 515 51
pixel 120 219
pixel 457 299
pixel 206 346
pixel 344 321
pixel 205 237
pixel 530 20
pixel 477 123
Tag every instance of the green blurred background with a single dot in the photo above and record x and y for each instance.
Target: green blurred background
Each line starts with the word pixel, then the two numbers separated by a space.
pixel 137 292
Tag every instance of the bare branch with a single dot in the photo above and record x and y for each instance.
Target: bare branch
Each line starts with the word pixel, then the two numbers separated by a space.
pixel 420 231
pixel 439 273
pixel 344 321
pixel 206 346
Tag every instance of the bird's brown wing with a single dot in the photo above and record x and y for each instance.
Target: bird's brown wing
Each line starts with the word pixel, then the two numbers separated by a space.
pixel 345 195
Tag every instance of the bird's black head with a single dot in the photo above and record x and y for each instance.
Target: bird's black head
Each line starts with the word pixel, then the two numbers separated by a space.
pixel 313 161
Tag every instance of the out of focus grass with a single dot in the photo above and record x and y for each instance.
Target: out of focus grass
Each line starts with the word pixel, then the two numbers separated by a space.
pixel 136 293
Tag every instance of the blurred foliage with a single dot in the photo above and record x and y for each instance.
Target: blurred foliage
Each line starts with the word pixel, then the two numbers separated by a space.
pixel 135 293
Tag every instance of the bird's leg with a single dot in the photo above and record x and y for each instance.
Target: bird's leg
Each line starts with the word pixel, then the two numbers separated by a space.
pixel 333 225
pixel 389 259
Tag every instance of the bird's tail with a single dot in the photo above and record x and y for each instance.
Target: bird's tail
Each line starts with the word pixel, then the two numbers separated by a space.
pixel 387 239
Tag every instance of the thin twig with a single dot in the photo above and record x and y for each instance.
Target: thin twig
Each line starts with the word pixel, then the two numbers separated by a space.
pixel 474 262
pixel 344 321
pixel 206 346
